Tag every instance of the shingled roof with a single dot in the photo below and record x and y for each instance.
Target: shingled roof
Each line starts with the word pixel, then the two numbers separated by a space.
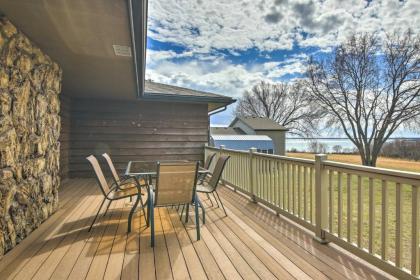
pixel 158 91
pixel 258 123
pixel 226 131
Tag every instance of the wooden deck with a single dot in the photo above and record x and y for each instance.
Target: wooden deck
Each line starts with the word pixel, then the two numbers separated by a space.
pixel 251 243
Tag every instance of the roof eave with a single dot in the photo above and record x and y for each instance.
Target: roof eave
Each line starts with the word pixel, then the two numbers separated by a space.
pixel 266 129
pixel 138 26
pixel 157 96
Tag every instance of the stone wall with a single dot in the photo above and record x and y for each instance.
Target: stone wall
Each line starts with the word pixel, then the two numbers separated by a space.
pixel 30 83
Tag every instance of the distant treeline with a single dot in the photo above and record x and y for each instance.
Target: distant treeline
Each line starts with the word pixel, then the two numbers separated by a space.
pixel 407 149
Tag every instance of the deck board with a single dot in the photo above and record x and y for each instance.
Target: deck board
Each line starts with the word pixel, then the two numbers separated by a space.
pixel 250 243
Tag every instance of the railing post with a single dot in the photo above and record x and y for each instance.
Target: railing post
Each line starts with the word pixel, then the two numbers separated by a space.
pixel 222 147
pixel 321 198
pixel 252 174
pixel 205 152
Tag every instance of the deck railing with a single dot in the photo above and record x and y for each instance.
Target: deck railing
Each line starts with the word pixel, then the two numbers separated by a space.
pixel 372 212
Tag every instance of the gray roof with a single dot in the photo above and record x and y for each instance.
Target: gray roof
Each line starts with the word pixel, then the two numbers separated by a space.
pixel 259 123
pixel 158 91
pixel 242 137
pixel 226 131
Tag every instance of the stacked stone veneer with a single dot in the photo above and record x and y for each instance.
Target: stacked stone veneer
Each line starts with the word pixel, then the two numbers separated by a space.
pixel 30 83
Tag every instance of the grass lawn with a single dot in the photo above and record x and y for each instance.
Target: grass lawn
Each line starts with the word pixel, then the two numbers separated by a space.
pixel 352 188
pixel 390 163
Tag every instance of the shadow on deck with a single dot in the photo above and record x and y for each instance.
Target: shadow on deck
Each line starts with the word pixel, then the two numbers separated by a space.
pixel 251 243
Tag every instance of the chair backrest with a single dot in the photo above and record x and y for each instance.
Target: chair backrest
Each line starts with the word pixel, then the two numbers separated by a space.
pixel 209 160
pixel 99 174
pixel 112 167
pixel 218 170
pixel 175 183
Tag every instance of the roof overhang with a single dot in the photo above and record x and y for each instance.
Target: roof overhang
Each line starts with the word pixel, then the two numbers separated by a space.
pixel 169 93
pixel 138 25
pixel 80 36
pixel 213 103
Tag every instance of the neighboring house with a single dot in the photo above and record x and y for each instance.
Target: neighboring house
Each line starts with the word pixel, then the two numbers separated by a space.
pixel 262 143
pixel 249 126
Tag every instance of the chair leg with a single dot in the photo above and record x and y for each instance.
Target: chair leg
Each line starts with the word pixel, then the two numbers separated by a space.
pixel 152 224
pixel 133 209
pixel 182 212
pixel 202 209
pixel 221 202
pixel 216 200
pixel 211 201
pixel 106 210
pixel 197 220
pixel 97 213
pixel 142 208
pixel 187 213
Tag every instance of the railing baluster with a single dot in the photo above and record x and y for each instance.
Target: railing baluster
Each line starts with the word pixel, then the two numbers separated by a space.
pixel 349 208
pixel 276 183
pixel 299 210
pixel 415 231
pixel 359 211
pixel 271 182
pixel 273 185
pixel 312 194
pixel 289 203
pixel 279 180
pixel 371 215
pixel 398 220
pixel 331 198
pixel 257 176
pixel 294 189
pixel 262 171
pixel 340 205
pixel 267 180
pixel 305 193
pixel 384 229
pixel 284 173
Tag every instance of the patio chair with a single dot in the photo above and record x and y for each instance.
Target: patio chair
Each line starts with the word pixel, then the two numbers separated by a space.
pixel 114 193
pixel 206 167
pixel 122 182
pixel 210 186
pixel 175 185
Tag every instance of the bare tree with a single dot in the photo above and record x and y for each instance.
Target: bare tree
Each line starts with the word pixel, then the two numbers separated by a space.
pixel 369 89
pixel 287 104
pixel 337 149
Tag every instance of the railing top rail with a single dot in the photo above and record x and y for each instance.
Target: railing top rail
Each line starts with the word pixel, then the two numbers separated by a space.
pixel 375 170
pixel 278 157
pixel 211 148
pixel 286 158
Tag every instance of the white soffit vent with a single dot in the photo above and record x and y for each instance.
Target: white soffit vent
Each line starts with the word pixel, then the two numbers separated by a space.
pixel 122 50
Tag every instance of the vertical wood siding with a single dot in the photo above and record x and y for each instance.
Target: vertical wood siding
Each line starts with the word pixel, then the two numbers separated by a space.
pixel 136 130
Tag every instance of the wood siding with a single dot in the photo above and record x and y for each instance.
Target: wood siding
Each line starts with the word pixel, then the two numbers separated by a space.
pixel 65 104
pixel 135 131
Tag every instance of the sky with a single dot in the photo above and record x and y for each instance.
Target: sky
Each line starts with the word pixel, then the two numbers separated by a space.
pixel 226 46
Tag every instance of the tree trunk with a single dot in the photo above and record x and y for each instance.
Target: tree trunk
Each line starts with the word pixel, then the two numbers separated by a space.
pixel 371 161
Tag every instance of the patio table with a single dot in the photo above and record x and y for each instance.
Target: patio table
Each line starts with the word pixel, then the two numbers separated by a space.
pixel 147 170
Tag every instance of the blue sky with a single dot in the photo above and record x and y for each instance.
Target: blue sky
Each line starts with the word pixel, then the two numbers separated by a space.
pixel 226 46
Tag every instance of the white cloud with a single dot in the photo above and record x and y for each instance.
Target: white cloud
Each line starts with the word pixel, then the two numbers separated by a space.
pixel 220 75
pixel 274 24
